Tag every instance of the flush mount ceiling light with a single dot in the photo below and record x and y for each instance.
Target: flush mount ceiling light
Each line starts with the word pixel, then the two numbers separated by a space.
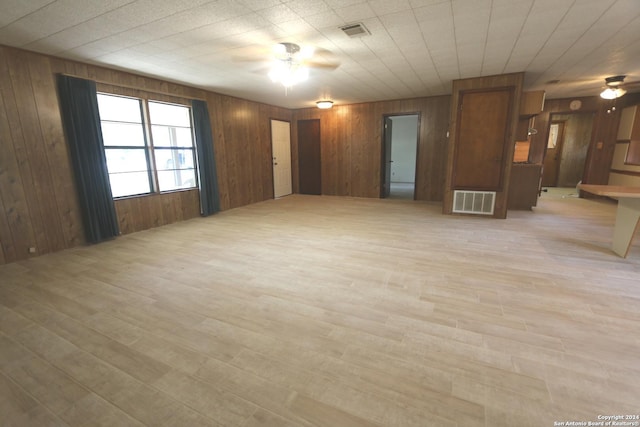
pixel 614 89
pixel 324 105
pixel 288 67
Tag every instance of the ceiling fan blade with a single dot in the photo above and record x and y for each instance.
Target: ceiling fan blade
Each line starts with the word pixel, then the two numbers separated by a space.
pixel 321 65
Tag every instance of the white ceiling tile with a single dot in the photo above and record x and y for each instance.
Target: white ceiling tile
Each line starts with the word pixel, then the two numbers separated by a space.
pixel 384 7
pixel 54 17
pixel 279 14
pixel 417 47
pixel 12 10
pixel 335 4
pixel 308 7
pixel 298 27
pixel 259 4
pixel 356 12
pixel 323 20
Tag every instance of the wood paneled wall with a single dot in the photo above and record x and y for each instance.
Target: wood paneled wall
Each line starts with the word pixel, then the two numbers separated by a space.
pixel 605 128
pixel 242 140
pixel 40 207
pixel 38 202
pixel 351 145
pixel 578 129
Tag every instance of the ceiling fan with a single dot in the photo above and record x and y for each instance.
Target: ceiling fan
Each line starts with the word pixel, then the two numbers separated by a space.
pixel 616 87
pixel 290 62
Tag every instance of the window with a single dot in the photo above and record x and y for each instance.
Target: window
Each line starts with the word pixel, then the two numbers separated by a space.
pixel 173 146
pixel 137 163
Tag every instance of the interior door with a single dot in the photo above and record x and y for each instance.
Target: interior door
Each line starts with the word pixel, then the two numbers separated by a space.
pixel 309 157
pixel 385 189
pixel 482 137
pixel 552 156
pixel 281 153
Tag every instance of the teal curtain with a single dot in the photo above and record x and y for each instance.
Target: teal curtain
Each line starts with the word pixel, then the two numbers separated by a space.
pixel 81 119
pixel 208 176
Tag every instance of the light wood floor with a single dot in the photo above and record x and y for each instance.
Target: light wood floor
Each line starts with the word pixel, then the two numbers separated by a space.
pixel 327 311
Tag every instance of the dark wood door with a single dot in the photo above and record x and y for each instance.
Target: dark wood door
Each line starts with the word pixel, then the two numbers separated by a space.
pixel 309 156
pixel 385 190
pixel 552 156
pixel 482 135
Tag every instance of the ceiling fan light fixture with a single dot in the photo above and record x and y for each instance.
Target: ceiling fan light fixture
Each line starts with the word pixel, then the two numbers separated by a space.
pixel 612 93
pixel 288 73
pixel 324 105
pixel 288 67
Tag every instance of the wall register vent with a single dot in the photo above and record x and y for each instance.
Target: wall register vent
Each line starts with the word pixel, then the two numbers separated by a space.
pixel 474 202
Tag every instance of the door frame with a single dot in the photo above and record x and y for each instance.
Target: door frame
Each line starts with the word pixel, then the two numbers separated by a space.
pixel 383 156
pixel 592 139
pixel 558 147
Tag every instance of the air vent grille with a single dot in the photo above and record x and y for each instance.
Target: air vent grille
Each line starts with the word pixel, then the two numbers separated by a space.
pixel 474 202
pixel 355 30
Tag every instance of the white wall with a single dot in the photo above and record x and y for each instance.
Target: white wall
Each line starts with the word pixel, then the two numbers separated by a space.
pixel 404 140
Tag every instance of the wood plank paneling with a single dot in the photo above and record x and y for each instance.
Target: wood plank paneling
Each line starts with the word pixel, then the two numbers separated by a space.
pixel 155 210
pixel 242 144
pixel 68 211
pixel 603 140
pixel 37 190
pixel 49 236
pixel 351 145
pixel 27 214
pixel 16 232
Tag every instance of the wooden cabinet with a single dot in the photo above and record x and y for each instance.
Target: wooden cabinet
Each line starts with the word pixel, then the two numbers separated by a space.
pixel 524 186
pixel 522 130
pixel 531 103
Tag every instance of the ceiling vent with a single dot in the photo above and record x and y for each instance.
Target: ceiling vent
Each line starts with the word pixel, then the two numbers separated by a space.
pixel 355 30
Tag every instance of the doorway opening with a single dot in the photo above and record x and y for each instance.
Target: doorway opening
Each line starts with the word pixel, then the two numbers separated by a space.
pixel 399 156
pixel 568 142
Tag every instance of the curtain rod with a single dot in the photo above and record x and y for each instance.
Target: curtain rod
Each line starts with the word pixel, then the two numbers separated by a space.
pixel 125 86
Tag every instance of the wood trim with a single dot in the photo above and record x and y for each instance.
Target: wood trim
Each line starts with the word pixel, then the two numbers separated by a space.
pixel 624 172
pixel 130 87
pixel 112 89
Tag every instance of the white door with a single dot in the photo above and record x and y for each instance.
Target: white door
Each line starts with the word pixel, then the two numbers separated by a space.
pixel 281 150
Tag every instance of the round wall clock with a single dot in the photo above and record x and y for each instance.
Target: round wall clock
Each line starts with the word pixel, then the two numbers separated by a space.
pixel 575 104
